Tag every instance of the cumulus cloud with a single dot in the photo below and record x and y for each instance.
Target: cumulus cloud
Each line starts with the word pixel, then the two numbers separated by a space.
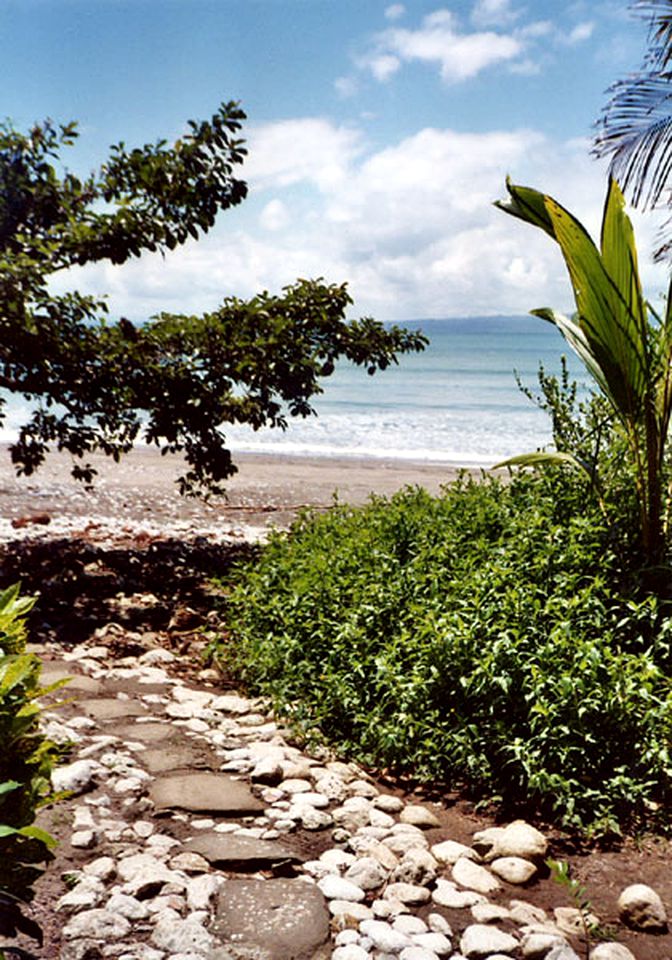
pixel 395 11
pixel 439 42
pixel 493 13
pixel 310 148
pixel 581 32
pixel 411 227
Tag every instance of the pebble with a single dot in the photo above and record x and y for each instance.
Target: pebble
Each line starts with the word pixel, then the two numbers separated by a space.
pixel 380 868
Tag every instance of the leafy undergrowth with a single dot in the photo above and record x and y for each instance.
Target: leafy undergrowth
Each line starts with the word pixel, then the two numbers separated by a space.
pixel 26 761
pixel 478 638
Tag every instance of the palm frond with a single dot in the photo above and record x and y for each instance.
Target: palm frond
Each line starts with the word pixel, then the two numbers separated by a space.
pixel 659 15
pixel 636 131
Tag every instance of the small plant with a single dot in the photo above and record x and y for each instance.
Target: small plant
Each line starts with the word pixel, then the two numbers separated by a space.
pixel 591 928
pixel 26 761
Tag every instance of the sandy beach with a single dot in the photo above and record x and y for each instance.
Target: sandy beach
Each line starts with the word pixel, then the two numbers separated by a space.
pixel 140 493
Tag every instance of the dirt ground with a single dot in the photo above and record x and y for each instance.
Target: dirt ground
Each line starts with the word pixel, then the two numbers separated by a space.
pixel 80 566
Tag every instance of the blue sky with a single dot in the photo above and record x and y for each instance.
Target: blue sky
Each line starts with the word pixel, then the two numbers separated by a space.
pixel 379 134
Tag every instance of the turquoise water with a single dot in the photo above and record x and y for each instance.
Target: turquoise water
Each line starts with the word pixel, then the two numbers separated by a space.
pixel 456 403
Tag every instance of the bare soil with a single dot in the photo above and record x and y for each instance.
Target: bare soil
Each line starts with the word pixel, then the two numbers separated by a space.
pixel 82 575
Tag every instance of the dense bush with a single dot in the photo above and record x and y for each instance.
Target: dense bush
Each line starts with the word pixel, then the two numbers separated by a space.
pixel 479 638
pixel 26 761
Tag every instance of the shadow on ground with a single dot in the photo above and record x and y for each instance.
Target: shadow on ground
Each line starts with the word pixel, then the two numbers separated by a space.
pixel 79 583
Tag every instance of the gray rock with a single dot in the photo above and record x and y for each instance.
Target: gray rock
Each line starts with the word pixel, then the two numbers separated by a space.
pixel 417 866
pixel 479 941
pixel 474 877
pixel 277 919
pixel 640 907
pixel 350 951
pixel 419 816
pixel 175 756
pixel 406 893
pixel 438 943
pixel 513 869
pixel 86 895
pixel 367 872
pixel 201 891
pixel 571 920
pixel 126 906
pixel 561 951
pixel 388 804
pixel 96 925
pixel 182 936
pixel 349 911
pixel 489 913
pixel 144 876
pixel 537 946
pixel 449 852
pixel 332 787
pixel 384 937
pixel 338 888
pixel 409 925
pixel 112 709
pixel 611 951
pixel 524 913
pixel 401 843
pixel 446 894
pixel 437 923
pixel 417 953
pixel 102 867
pixel 230 703
pixel 205 793
pixel 235 852
pixel 312 819
pixel 519 839
pixel 74 778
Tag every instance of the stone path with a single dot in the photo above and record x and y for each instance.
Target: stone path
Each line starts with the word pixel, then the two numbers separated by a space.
pixel 199 833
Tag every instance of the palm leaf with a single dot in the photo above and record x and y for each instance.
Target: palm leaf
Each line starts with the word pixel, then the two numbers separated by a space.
pixel 543 458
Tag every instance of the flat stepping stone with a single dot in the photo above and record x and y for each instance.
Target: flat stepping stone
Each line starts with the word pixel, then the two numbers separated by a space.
pixel 272 920
pixel 173 756
pixel 112 709
pixel 52 671
pixel 152 732
pixel 213 793
pixel 230 852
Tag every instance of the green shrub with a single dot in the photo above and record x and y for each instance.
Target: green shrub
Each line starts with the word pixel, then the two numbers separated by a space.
pixel 478 638
pixel 26 761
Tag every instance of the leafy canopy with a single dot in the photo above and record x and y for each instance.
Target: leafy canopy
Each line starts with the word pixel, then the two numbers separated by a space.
pixel 98 383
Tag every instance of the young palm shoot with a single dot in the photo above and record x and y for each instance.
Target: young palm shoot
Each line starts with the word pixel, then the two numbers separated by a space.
pixel 624 345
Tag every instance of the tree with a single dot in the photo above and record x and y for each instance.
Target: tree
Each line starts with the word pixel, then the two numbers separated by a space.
pixel 99 383
pixel 624 345
pixel 635 129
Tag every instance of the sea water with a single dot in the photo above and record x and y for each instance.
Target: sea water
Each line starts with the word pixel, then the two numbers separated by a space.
pixel 457 402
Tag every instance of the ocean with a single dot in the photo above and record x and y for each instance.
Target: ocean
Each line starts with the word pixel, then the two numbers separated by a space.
pixel 456 403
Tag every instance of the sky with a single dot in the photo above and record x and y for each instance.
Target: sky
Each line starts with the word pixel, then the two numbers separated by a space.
pixel 378 135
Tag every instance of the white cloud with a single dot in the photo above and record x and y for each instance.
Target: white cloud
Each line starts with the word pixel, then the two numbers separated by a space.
pixel 411 227
pixel 581 32
pixel 290 151
pixel 383 66
pixel 346 86
pixel 395 11
pixel 493 13
pixel 438 41
pixel 274 216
